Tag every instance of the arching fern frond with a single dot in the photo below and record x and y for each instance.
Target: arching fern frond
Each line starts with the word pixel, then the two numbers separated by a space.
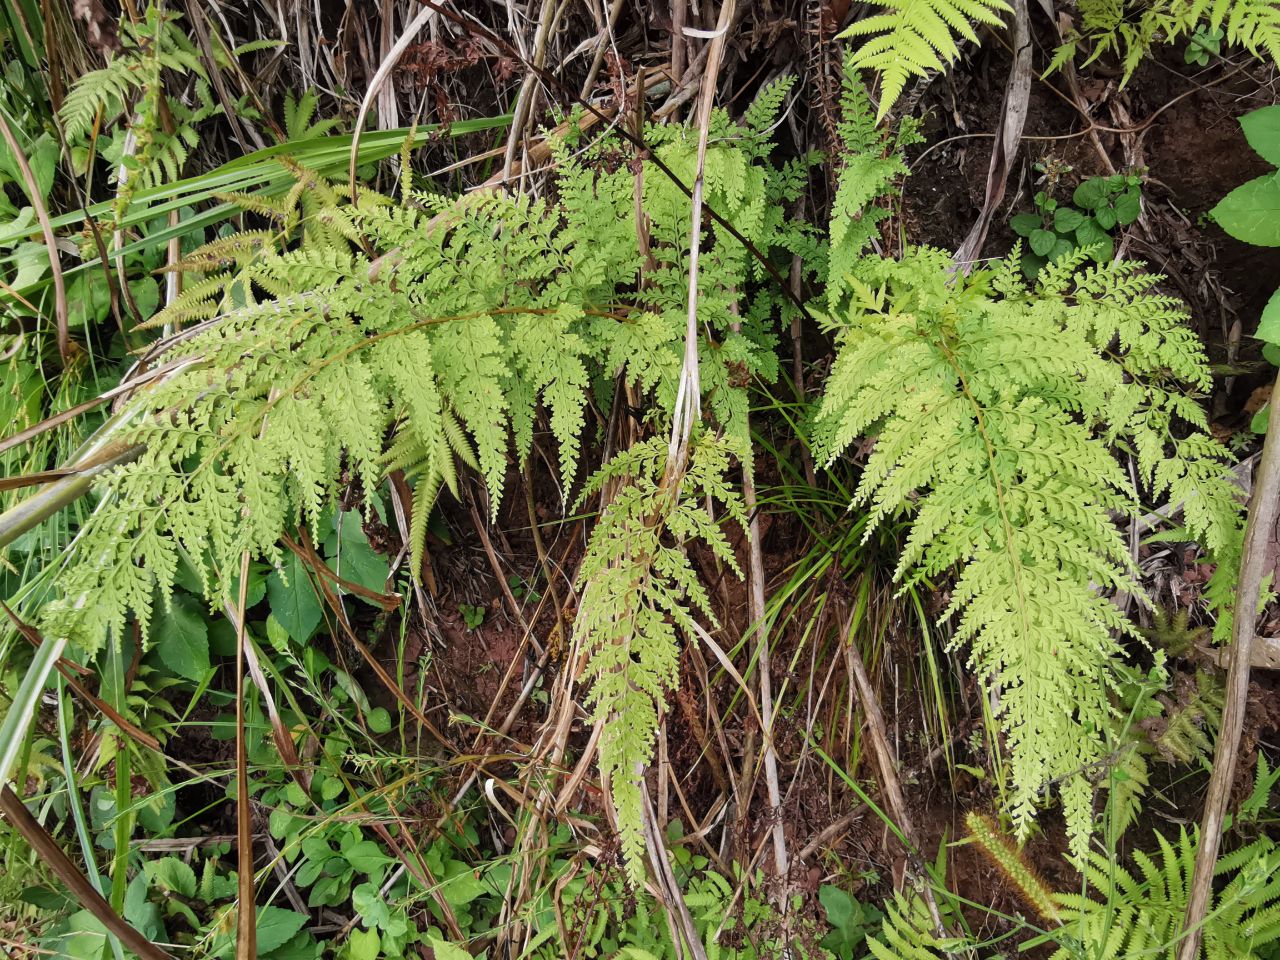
pixel 915 37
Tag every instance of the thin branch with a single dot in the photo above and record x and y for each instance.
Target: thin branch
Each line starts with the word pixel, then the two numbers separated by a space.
pixel 1263 511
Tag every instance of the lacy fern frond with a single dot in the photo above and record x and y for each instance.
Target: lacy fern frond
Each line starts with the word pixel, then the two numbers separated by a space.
pixel 995 408
pixel 1130 28
pixel 915 37
pixel 640 592
pixel 362 338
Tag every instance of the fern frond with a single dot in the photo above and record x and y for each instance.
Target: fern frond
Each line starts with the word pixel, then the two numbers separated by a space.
pixel 1130 28
pixel 907 931
pixel 991 423
pixel 1133 917
pixel 638 587
pixel 915 37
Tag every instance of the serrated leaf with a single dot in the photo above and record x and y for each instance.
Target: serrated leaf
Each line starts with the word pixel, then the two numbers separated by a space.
pixel 1066 219
pixel 276 927
pixel 1091 194
pixel 1024 223
pixel 1061 248
pixel 1090 234
pixel 366 856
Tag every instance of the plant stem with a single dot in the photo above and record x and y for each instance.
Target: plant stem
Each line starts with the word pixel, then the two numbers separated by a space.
pixel 1263 510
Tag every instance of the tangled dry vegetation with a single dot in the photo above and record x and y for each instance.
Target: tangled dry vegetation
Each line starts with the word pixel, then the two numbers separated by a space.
pixel 639 480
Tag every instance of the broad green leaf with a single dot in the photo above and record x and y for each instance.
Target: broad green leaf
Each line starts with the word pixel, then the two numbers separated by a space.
pixel 172 875
pixel 1024 223
pixel 1091 194
pixel 1262 130
pixel 1269 325
pixel 33 263
pixel 1261 420
pixel 1251 212
pixel 367 857
pixel 276 927
pixel 447 951
pixel 838 904
pixel 294 605
pixel 180 637
pixel 370 905
pixel 1128 206
pixel 363 945
pixel 349 553
pixel 1090 234
pixel 302 946
pixel 379 720
pixel 1042 242
pixel 1061 248
pixel 42 157
pixel 1066 219
pixel 459 883
pixel 146 294
pixel 1106 216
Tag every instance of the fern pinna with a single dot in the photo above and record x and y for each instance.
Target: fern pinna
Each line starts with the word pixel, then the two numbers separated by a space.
pixel 163 129
pixel 387 336
pixel 996 408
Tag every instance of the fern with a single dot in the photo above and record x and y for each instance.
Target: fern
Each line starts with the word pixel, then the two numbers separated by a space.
pixel 907 933
pixel 995 409
pixel 1167 717
pixel 1132 914
pixel 639 593
pixel 1130 29
pixel 1141 914
pixel 915 37
pixel 299 118
pixel 134 80
pixel 353 339
pixel 872 164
